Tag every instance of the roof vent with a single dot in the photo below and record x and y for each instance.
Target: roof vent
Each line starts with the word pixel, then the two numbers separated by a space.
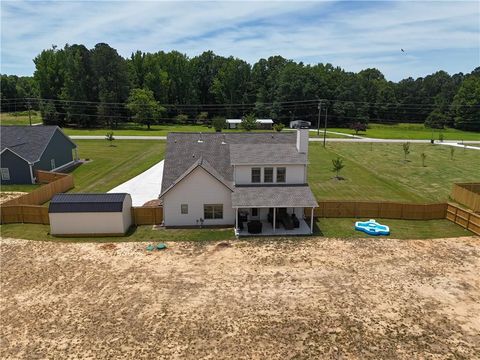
pixel 223 140
pixel 200 140
pixel 193 155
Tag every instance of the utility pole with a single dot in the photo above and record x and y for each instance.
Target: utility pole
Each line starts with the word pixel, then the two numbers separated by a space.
pixel 319 112
pixel 325 130
pixel 29 113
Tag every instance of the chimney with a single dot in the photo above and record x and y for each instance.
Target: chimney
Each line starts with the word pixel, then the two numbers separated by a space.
pixel 302 140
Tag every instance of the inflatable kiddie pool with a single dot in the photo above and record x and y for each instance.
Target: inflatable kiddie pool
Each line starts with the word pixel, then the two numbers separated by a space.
pixel 372 227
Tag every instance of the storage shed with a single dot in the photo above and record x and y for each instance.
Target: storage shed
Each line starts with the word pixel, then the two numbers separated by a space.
pixel 90 214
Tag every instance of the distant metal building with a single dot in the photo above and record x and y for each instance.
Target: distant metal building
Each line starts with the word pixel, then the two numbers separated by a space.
pixel 300 124
pixel 90 214
pixel 261 123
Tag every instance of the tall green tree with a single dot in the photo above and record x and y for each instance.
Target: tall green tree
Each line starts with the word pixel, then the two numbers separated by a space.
pixel 111 73
pixel 466 104
pixel 143 106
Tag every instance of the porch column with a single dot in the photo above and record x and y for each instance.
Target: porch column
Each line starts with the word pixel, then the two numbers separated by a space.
pixel 236 218
pixel 274 218
pixel 311 221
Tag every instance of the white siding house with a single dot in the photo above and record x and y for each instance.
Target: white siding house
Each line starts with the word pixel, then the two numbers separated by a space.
pixel 257 181
pixel 194 191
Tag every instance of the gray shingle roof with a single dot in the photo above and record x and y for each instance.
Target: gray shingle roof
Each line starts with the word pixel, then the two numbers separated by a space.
pixel 273 196
pixel 184 149
pixel 29 142
pixel 207 167
pixel 68 203
pixel 246 154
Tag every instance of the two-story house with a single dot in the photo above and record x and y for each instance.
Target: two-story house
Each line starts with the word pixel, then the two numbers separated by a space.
pixel 256 182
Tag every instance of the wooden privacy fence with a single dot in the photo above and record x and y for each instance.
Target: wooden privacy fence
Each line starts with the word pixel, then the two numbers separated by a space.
pixel 26 209
pixel 33 214
pixel 147 215
pixel 465 218
pixel 374 209
pixel 467 194
pixel 60 183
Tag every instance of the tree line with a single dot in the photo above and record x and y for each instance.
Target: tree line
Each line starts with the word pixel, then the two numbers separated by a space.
pixel 77 86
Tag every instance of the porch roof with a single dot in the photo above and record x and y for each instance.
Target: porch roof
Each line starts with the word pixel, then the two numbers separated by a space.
pixel 273 196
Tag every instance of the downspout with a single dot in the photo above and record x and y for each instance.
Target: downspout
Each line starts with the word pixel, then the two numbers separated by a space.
pixel 32 178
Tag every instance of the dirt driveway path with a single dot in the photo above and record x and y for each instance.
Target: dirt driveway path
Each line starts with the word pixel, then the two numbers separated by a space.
pixel 312 299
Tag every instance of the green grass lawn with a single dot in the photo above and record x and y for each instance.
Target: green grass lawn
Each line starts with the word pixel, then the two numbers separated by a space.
pixel 338 228
pixel 399 229
pixel 410 131
pixel 140 233
pixel 112 165
pixel 22 119
pixel 378 171
pixel 19 187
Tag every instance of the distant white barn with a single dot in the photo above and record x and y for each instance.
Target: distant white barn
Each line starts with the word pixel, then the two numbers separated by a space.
pixel 261 123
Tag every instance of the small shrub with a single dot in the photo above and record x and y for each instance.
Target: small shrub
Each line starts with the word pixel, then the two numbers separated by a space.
pixel 337 166
pixel 406 149
pixel 249 123
pixel 423 156
pixel 358 126
pixel 219 123
pixel 452 152
pixel 278 127
pixel 181 118
pixel 109 137
pixel 441 137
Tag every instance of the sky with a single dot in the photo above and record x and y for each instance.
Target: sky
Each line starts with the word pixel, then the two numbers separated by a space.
pixel 440 35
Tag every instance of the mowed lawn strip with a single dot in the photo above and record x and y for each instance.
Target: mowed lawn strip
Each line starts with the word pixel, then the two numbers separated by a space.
pixel 379 172
pixel 399 229
pixel 110 166
pixel 411 131
pixel 327 227
pixel 22 119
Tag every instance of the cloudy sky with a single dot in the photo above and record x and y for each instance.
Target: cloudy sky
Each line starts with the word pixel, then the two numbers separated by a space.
pixel 354 35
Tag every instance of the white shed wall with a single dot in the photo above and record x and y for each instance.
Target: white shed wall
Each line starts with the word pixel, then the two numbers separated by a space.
pixel 87 223
pixel 295 173
pixel 197 189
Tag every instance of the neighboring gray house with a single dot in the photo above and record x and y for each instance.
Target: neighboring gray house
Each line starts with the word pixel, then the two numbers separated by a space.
pixel 25 149
pixel 256 182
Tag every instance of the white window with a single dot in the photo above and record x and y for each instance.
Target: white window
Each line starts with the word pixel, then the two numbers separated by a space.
pixel 268 175
pixel 213 211
pixel 281 174
pixel 184 209
pixel 5 173
pixel 52 163
pixel 256 175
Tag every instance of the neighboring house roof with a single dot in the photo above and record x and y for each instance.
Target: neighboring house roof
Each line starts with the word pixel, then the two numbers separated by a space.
pixel 234 121
pixel 185 149
pixel 69 203
pixel 207 167
pixel 28 142
pixel 273 196
pixel 268 154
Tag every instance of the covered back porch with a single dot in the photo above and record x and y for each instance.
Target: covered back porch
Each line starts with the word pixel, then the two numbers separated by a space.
pixel 273 210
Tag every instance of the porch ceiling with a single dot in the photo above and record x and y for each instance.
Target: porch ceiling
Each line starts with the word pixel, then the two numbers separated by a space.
pixel 273 196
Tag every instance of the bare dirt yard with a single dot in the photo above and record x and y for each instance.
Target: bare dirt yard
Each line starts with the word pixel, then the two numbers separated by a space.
pixel 296 299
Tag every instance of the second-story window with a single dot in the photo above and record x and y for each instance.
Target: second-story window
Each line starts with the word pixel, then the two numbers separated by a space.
pixel 256 175
pixel 268 175
pixel 281 174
